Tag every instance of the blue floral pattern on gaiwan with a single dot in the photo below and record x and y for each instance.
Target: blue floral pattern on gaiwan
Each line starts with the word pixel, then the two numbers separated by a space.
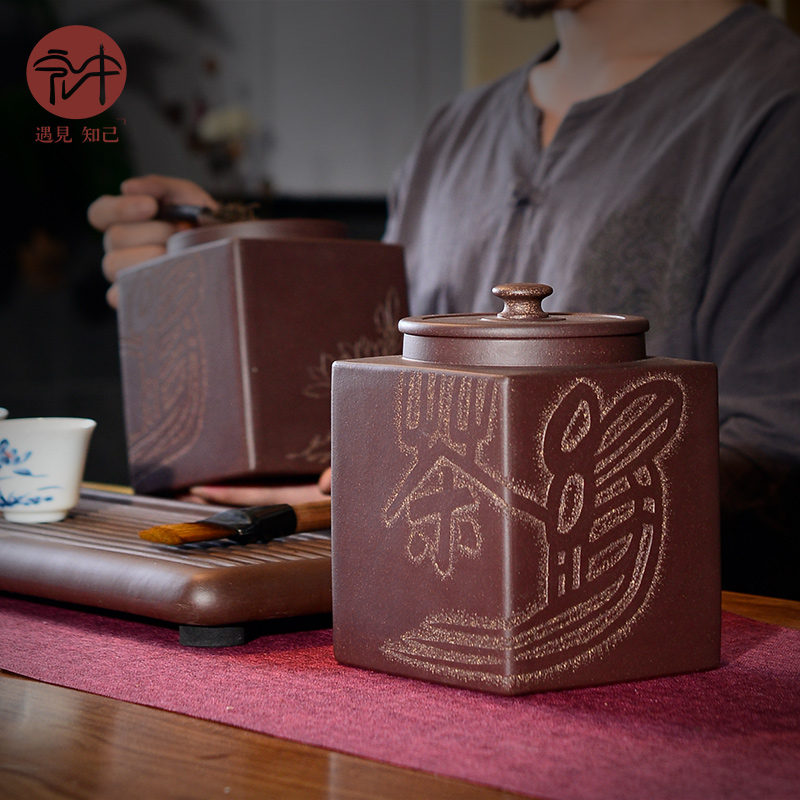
pixel 11 461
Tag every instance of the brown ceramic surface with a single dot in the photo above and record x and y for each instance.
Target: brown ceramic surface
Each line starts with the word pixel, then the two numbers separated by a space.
pixel 520 528
pixel 258 229
pixel 96 558
pixel 523 335
pixel 226 350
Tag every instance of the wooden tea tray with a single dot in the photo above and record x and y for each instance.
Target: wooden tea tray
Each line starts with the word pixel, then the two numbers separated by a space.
pixel 96 558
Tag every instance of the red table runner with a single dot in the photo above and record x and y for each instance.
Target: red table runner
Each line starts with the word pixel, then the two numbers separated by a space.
pixel 732 732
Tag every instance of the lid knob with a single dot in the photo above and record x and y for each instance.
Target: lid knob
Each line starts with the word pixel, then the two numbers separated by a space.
pixel 522 300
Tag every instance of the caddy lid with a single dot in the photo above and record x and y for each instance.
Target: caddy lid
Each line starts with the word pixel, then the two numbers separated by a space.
pixel 523 334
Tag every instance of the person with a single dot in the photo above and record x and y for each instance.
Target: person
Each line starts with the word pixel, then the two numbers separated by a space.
pixel 646 163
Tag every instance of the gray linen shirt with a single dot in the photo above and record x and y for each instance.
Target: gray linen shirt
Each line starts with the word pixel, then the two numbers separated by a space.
pixel 676 197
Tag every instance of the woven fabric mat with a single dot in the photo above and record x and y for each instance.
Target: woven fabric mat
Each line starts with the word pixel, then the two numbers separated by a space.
pixel 732 732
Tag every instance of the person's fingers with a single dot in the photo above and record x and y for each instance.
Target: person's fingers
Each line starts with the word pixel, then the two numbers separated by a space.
pixel 122 237
pixel 140 198
pixel 190 498
pixel 258 495
pixel 168 189
pixel 117 260
pixel 111 210
pixel 112 295
pixel 131 234
pixel 324 483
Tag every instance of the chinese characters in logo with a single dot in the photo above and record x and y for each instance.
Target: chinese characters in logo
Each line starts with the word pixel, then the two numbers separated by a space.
pixel 107 133
pixel 76 72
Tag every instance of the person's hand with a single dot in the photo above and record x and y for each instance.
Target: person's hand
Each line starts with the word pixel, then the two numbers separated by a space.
pixel 263 495
pixel 131 233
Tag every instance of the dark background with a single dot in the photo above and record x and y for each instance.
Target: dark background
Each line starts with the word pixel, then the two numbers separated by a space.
pixel 60 348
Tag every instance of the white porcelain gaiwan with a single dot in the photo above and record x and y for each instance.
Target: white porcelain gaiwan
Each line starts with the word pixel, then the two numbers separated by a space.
pixel 42 460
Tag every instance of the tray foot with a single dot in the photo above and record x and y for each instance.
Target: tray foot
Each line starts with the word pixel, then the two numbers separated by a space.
pixel 212 635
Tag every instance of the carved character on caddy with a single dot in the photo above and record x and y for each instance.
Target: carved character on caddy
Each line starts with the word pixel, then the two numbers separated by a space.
pixel 169 363
pixel 386 342
pixel 599 512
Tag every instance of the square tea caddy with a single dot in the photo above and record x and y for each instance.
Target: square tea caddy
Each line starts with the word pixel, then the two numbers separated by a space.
pixel 226 344
pixel 525 502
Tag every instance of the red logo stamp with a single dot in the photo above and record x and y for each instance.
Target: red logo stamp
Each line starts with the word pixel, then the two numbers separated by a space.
pixel 76 72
